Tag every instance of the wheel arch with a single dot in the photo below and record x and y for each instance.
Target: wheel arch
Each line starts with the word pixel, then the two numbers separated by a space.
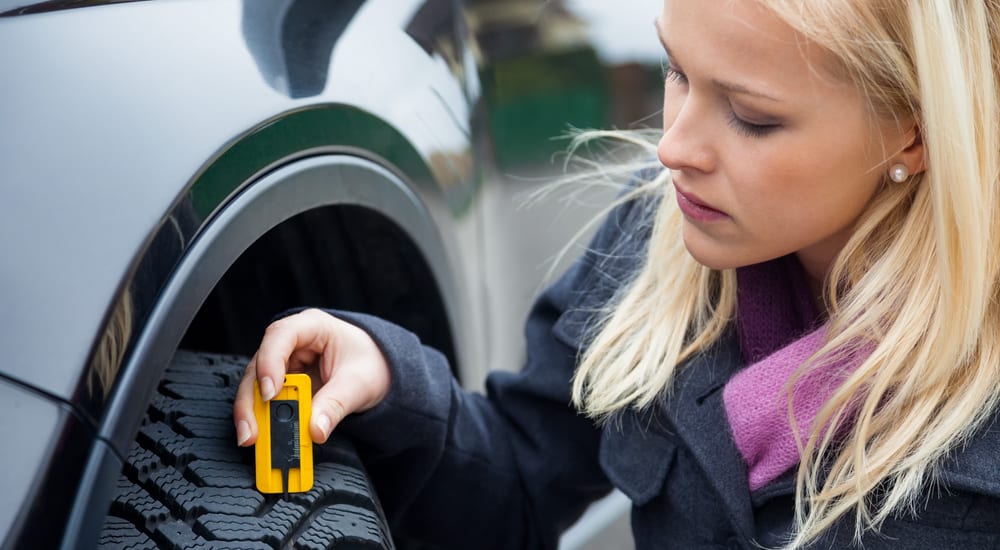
pixel 324 181
pixel 326 157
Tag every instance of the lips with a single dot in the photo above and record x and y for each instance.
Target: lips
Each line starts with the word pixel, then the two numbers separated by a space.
pixel 694 208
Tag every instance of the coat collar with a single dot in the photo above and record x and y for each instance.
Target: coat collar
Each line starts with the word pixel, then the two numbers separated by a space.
pixel 973 468
pixel 695 410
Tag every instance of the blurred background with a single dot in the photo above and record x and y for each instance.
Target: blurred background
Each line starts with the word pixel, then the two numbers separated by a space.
pixel 547 67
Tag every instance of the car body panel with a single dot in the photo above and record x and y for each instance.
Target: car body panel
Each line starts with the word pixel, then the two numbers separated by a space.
pixel 46 445
pixel 112 176
pixel 175 104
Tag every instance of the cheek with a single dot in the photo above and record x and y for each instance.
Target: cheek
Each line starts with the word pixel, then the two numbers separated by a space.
pixel 803 206
pixel 808 171
pixel 789 193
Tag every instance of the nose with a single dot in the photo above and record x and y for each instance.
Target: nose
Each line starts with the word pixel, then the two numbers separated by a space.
pixel 685 144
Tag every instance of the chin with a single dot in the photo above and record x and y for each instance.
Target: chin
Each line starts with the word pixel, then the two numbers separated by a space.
pixel 709 254
pixel 716 255
pixel 714 262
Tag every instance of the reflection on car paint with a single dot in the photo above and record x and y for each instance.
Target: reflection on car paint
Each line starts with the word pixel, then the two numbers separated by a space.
pixel 292 40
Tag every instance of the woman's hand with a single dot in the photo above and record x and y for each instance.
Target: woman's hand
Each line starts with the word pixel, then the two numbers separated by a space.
pixel 343 361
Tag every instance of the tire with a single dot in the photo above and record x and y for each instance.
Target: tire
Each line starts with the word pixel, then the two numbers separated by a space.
pixel 186 484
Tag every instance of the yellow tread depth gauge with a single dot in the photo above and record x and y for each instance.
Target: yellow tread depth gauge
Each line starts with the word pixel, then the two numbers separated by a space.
pixel 283 451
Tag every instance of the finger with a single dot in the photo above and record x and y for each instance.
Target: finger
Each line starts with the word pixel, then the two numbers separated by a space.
pixel 243 416
pixel 354 387
pixel 331 404
pixel 293 335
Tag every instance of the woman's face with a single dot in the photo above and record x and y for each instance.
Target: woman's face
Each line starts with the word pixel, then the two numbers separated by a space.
pixel 770 154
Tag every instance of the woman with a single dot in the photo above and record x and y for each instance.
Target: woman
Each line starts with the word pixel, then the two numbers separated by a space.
pixel 799 345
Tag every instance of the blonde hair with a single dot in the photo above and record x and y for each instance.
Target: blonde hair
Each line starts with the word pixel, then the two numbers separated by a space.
pixel 916 286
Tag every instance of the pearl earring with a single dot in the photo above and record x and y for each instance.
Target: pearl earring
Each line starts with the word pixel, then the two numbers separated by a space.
pixel 898 173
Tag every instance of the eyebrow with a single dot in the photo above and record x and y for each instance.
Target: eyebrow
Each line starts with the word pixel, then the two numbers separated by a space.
pixel 731 87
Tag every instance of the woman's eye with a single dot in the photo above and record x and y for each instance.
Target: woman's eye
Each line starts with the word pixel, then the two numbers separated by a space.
pixel 671 74
pixel 750 129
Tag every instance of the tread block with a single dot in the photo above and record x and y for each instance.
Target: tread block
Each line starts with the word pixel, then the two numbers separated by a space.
pixel 170 486
pixel 188 390
pixel 275 526
pixel 120 534
pixel 136 504
pixel 177 535
pixel 337 482
pixel 171 409
pixel 218 428
pixel 228 367
pixel 201 378
pixel 140 462
pixel 176 449
pixel 210 473
pixel 345 525
pixel 337 450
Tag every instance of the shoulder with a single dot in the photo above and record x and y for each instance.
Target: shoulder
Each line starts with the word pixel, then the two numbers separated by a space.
pixel 975 467
pixel 611 260
pixel 960 508
pixel 963 502
pixel 619 246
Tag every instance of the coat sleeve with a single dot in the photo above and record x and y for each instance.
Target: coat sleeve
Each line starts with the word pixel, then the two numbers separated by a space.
pixel 509 469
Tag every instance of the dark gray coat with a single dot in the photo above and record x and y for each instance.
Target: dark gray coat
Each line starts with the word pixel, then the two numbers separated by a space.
pixel 515 467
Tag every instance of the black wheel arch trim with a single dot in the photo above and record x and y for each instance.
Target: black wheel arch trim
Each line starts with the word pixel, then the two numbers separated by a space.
pixel 269 146
pixel 289 190
pixel 317 181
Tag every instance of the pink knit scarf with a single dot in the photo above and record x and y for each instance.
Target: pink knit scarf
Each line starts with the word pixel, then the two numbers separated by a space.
pixel 779 329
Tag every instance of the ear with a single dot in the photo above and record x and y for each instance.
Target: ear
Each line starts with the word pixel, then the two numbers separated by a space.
pixel 913 154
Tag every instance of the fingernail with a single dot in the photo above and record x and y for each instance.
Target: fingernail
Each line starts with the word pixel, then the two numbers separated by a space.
pixel 324 424
pixel 267 390
pixel 242 432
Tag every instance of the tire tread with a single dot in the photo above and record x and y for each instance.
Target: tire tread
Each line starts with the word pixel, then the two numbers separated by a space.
pixel 186 485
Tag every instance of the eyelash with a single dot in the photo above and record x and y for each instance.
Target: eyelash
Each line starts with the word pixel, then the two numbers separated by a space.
pixel 749 129
pixel 670 74
pixel 744 128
